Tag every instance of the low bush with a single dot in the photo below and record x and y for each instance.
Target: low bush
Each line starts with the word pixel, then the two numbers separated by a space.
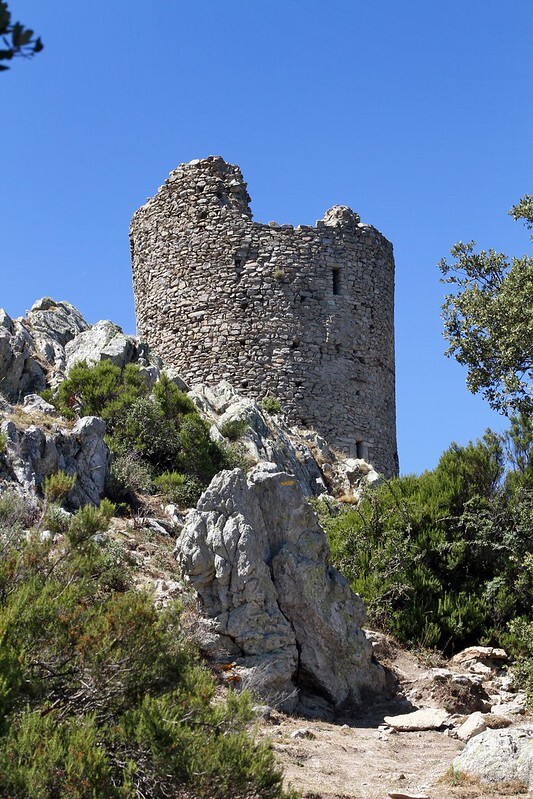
pixel 58 486
pixel 181 489
pixel 271 404
pixel 440 559
pixel 100 695
pixel 520 641
pixel 148 433
pixel 102 390
pixel 129 476
pixel 234 429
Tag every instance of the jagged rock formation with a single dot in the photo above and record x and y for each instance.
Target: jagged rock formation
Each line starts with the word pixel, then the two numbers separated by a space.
pixel 255 554
pixel 38 350
pixel 33 348
pixel 304 313
pixel 34 451
pixel 264 438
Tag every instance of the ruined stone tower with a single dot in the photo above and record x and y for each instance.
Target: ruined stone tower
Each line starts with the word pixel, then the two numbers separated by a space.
pixel 304 314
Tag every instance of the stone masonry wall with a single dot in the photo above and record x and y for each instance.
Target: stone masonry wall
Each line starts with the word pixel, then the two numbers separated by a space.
pixel 305 314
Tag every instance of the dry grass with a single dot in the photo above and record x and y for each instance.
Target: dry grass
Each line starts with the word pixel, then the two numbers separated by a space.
pixel 24 419
pixel 464 786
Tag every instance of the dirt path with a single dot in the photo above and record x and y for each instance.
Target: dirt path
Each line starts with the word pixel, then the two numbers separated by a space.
pixel 355 760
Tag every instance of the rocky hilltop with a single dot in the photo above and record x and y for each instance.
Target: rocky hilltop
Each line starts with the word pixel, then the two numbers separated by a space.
pixel 252 549
pixel 251 563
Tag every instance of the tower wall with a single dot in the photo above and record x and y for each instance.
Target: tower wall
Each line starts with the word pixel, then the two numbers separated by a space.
pixel 305 314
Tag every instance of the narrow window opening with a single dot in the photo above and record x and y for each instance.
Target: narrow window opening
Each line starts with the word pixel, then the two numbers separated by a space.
pixel 295 344
pixel 361 450
pixel 238 263
pixel 336 275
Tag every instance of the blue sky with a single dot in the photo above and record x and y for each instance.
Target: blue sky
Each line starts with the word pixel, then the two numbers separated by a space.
pixel 416 114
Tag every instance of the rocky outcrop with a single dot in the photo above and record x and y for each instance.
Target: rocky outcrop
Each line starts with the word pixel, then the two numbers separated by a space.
pixel 499 756
pixel 38 350
pixel 33 451
pixel 264 438
pixel 32 349
pixel 258 560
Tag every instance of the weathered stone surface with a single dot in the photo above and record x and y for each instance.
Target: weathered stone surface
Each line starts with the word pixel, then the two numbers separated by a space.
pixel 428 718
pixel 6 321
pixel 489 656
pixel 31 454
pixel 473 725
pixel 32 349
pixel 103 341
pixel 499 756
pixel 456 693
pixel 34 402
pixel 304 314
pixel 254 552
pixel 265 438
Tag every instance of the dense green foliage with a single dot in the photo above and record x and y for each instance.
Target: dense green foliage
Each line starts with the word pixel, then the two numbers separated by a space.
pixel 150 432
pixel 100 695
pixel 444 559
pixel 16 40
pixel 488 320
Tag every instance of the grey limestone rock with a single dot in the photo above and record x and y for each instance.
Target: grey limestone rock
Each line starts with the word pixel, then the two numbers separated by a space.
pixel 32 454
pixel 499 756
pixel 103 341
pixel 265 438
pixel 255 554
pixel 32 349
pixel 429 718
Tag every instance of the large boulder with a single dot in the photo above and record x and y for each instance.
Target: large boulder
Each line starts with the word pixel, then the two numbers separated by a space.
pixel 103 341
pixel 499 756
pixel 258 560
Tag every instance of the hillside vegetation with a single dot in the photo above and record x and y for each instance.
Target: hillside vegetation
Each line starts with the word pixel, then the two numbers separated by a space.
pixel 100 693
pixel 445 559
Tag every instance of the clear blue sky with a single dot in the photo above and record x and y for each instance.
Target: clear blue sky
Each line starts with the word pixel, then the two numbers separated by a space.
pixel 417 114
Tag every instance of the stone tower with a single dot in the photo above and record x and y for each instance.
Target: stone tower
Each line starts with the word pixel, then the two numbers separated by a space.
pixel 304 314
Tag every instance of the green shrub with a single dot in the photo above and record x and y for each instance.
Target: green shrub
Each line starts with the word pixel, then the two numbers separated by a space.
pixel 173 402
pixel 520 640
pixel 148 435
pixel 56 519
pixel 101 390
pixel 441 559
pixel 100 696
pixel 129 477
pixel 234 429
pixel 199 455
pixel 271 404
pixel 181 489
pixel 58 486
pixel 147 432
pixel 88 521
pixel 15 513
